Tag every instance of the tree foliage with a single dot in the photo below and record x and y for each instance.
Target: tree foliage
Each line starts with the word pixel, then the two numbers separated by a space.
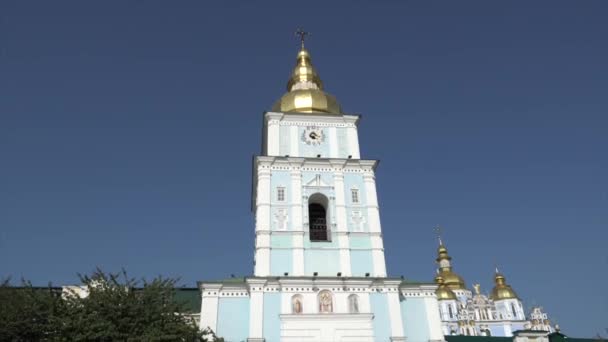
pixel 109 307
pixel 28 313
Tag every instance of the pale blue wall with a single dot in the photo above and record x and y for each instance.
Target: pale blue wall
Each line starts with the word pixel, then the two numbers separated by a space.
pixel 325 262
pixel 280 261
pixel 361 263
pixel 281 241
pixel 415 325
pixel 497 330
pixel 382 325
pixel 272 320
pixel 233 318
pixel 354 180
pixel 325 244
pixel 360 241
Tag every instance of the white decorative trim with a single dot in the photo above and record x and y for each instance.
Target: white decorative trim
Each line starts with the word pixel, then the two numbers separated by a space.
pixel 328 316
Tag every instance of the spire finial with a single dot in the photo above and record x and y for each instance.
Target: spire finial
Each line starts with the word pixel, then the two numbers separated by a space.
pixel 438 231
pixel 302 35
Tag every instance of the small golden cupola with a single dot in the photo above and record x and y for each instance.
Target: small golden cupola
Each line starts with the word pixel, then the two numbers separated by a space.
pixel 450 278
pixel 305 90
pixel 443 292
pixel 501 289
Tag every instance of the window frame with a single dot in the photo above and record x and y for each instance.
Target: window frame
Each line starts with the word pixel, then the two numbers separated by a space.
pixel 280 194
pixel 354 196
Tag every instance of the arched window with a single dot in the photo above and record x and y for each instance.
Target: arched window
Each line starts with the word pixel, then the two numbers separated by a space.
pixel 317 217
pixel 450 311
pixel 325 302
pixel 353 303
pixel 514 311
pixel 296 305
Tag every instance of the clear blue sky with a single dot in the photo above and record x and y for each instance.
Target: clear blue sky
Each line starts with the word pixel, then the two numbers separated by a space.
pixel 127 131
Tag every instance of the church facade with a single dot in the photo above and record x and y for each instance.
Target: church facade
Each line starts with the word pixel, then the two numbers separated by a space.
pixel 320 272
pixel 501 313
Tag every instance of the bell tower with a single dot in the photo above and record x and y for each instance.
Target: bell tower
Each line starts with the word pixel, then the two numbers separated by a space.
pixel 320 272
pixel 314 198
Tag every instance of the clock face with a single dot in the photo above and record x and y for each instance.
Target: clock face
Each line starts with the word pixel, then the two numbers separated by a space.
pixel 313 135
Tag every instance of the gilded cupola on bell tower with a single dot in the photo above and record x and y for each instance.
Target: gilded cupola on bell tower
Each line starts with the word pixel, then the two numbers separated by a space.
pixel 305 92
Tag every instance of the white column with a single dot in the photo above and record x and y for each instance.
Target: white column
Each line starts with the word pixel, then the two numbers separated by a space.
pixel 297 224
pixel 378 256
pixel 434 320
pixel 394 310
pixel 262 222
pixel 333 142
pixel 256 309
pixel 341 223
pixel 272 140
pixel 209 307
pixel 294 141
pixel 373 216
pixel 353 142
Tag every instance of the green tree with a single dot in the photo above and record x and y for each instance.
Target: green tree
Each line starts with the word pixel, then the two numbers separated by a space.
pixel 28 313
pixel 118 308
pixel 109 307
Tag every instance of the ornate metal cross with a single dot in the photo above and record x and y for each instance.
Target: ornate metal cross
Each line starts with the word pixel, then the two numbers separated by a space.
pixel 302 35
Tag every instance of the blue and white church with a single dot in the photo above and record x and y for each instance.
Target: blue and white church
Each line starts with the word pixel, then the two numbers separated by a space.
pixel 320 271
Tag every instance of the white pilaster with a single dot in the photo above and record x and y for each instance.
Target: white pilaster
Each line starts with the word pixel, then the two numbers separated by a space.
pixel 373 213
pixel 433 319
pixel 256 309
pixel 341 222
pixel 297 221
pixel 273 132
pixel 353 142
pixel 373 216
pixel 394 311
pixel 262 222
pixel 294 141
pixel 209 307
pixel 333 142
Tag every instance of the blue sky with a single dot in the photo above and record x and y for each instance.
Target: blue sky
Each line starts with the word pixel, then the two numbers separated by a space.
pixel 127 131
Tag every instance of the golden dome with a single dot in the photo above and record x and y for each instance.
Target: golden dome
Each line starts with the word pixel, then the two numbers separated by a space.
pixel 502 290
pixel 305 91
pixel 443 292
pixel 451 279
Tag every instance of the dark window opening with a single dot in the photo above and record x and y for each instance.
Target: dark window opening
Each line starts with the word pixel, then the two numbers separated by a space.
pixel 317 222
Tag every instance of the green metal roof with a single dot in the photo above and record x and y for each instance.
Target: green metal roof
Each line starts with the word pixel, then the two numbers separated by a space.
pixel 462 338
pixel 554 337
pixel 191 297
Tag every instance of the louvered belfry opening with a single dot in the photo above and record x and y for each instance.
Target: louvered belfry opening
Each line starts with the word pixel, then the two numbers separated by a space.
pixel 317 218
